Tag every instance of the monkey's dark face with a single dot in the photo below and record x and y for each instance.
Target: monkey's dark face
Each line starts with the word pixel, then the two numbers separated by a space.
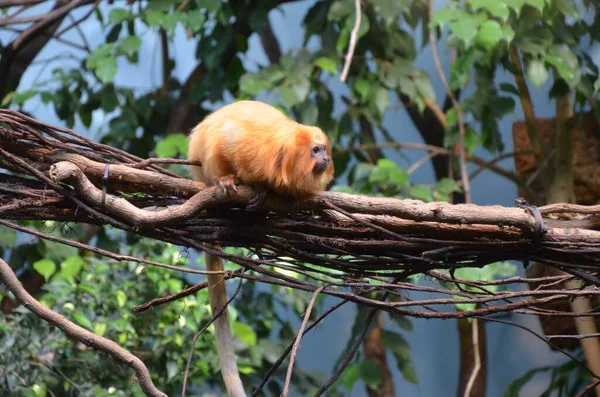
pixel 321 158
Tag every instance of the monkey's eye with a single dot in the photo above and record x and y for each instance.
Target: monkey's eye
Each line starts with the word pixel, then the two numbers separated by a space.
pixel 316 149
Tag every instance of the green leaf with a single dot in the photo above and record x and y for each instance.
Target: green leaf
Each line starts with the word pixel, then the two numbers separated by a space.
pixel 370 373
pixel 423 85
pixel 253 84
pixel 154 18
pixel 308 113
pixel 444 16
pixel 350 376
pixel 8 237
pixel 562 58
pixel 537 72
pixel 508 33
pixel 465 28
pixel 363 88
pixel 45 267
pixel 447 186
pixel 108 100
pixel 195 20
pixel 246 369
pixel 515 4
pixel 106 69
pixel 515 387
pixel 401 351
pixel 390 9
pixel 342 40
pixel 489 35
pixel 568 8
pixel 130 45
pixel 498 9
pixel 21 97
pixel 82 319
pixel 170 21
pixel 100 328
pixel 420 192
pixel 381 100
pixel 258 19
pixel 100 53
pixel 71 267
pixel 121 298
pixel 209 5
pixel 171 146
pixel 327 64
pixel 402 321
pixel 538 4
pixel 340 9
pixel 159 5
pixel 507 87
pixel 245 333
pixel 118 15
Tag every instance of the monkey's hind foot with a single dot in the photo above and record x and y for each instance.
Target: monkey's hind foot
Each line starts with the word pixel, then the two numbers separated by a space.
pixel 256 202
pixel 227 184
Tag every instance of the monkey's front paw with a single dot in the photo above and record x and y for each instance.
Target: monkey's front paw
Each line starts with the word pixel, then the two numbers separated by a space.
pixel 257 201
pixel 227 184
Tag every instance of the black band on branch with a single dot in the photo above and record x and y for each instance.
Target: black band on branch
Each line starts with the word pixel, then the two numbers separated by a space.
pixel 539 228
pixel 105 182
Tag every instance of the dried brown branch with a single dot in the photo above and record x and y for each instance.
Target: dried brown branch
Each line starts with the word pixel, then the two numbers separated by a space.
pixel 288 376
pixel 78 333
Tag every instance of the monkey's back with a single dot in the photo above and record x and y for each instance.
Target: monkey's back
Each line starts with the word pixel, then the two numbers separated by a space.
pixel 257 144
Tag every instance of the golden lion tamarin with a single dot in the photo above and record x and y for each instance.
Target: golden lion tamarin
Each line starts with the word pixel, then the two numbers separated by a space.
pixel 255 144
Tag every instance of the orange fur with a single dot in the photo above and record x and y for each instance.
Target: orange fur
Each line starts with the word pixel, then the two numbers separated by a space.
pixel 260 146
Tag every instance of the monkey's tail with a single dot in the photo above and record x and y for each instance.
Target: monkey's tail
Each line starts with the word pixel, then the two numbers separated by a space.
pixel 218 299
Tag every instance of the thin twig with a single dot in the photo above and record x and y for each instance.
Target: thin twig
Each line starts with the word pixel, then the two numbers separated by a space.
pixel 350 356
pixel 288 376
pixel 477 354
pixel 353 40
pixel 461 124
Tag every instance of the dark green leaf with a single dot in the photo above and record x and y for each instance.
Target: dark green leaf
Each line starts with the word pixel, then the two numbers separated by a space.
pixel 130 45
pixel 507 87
pixel 117 15
pixel 350 376
pixel 401 351
pixel 370 373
